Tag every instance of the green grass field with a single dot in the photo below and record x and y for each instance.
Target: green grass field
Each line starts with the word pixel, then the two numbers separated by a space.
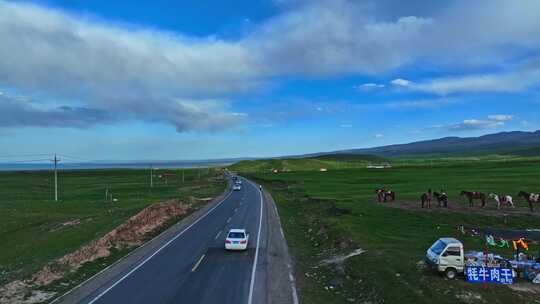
pixel 31 233
pixel 330 161
pixel 311 205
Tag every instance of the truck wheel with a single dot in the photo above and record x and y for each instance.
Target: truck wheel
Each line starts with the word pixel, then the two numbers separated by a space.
pixel 450 273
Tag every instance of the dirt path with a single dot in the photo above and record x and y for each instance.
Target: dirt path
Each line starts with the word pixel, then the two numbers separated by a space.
pixel 462 208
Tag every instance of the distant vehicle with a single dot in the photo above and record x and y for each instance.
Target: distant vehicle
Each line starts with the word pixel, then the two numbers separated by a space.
pixel 237 239
pixel 446 255
pixel 239 182
pixel 237 187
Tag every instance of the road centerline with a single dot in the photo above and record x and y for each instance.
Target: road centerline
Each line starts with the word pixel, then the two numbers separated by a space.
pixel 198 263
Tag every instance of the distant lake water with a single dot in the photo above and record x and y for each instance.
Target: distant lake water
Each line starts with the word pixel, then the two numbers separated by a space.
pixel 113 165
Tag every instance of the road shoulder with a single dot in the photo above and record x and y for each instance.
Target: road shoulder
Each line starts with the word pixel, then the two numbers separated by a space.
pixel 281 285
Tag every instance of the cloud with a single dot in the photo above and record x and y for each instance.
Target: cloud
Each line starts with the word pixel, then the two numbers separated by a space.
pixel 129 71
pixel 401 82
pixel 517 80
pixel 378 136
pixel 491 122
pixel 345 126
pixel 433 103
pixel 18 112
pixel 500 117
pixel 189 83
pixel 335 37
pixel 366 87
pixel 183 114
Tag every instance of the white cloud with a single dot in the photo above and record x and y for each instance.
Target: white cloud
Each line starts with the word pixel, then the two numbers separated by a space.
pixel 500 117
pixel 131 72
pixel 422 103
pixel 378 136
pixel 143 73
pixel 514 81
pixel 345 126
pixel 491 122
pixel 401 82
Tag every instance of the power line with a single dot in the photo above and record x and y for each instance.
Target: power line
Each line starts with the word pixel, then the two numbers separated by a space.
pixel 30 161
pixel 77 158
pixel 23 155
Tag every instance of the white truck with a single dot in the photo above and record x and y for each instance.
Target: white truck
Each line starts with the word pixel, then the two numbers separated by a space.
pixel 446 255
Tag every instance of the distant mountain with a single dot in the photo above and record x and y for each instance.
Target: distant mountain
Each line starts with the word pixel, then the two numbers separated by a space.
pixel 509 143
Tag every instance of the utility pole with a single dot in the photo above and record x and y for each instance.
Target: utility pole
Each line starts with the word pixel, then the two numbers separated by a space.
pixel 151 177
pixel 56 160
pixel 182 176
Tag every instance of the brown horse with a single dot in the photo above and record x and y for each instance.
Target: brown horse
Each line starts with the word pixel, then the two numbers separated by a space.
pixel 474 195
pixel 442 198
pixel 532 198
pixel 426 198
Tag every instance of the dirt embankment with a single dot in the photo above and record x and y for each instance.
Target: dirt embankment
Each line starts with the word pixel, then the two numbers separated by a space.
pixel 133 232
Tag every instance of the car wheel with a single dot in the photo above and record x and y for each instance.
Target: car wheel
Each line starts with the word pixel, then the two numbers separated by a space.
pixel 450 273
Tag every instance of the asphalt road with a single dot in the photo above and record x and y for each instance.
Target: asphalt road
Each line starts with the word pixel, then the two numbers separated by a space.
pixel 193 267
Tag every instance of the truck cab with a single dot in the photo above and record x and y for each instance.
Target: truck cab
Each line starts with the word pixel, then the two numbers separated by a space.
pixel 446 256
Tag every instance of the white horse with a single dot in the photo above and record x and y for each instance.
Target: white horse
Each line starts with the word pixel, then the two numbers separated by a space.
pixel 505 199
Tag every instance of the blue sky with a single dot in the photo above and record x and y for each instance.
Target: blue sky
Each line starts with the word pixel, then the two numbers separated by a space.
pixel 206 79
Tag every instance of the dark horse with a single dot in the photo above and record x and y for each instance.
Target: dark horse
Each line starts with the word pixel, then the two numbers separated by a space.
pixel 532 198
pixel 426 198
pixel 442 198
pixel 384 195
pixel 474 195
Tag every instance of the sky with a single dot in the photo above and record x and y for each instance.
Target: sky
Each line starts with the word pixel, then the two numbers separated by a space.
pixel 221 79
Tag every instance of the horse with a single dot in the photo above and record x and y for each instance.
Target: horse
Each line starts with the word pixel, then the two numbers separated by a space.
pixel 531 198
pixel 502 199
pixel 389 194
pixel 383 195
pixel 380 194
pixel 442 198
pixel 474 195
pixel 426 198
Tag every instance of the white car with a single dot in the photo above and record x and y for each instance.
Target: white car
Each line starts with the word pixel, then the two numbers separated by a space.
pixel 237 187
pixel 237 239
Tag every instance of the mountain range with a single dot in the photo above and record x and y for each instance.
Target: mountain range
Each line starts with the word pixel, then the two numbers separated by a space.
pixel 519 143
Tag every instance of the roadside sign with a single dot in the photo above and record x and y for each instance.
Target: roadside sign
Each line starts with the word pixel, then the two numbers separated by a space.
pixel 481 274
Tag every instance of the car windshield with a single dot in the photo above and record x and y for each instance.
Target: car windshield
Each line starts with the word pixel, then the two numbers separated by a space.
pixel 236 235
pixel 438 247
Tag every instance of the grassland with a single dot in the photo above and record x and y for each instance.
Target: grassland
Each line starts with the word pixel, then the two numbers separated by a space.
pixel 31 230
pixel 329 161
pixel 330 213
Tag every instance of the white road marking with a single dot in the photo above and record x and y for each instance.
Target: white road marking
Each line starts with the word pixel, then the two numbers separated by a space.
pixel 198 263
pixel 218 234
pixel 294 294
pixel 281 230
pixel 229 220
pixel 157 251
pixel 253 271
pixel 293 288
